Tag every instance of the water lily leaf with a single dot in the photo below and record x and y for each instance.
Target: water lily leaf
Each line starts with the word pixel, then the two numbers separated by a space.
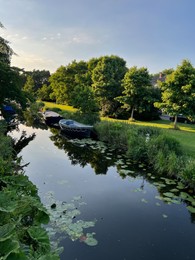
pixel 6 231
pixel 165 216
pixel 191 209
pixel 159 184
pixel 158 204
pixel 90 240
pixel 174 190
pixel 184 195
pixel 159 197
pixel 169 194
pixel 180 185
pixel 144 200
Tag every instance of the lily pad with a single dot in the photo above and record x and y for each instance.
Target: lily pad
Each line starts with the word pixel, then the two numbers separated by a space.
pixel 169 194
pixel 191 209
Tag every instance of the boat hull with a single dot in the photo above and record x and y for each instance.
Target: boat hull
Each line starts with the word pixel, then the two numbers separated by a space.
pixel 75 129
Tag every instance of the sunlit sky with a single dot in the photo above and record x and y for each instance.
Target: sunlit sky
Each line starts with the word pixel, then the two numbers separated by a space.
pixel 46 34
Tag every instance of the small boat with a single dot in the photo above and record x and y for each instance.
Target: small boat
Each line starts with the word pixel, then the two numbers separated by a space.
pixel 74 128
pixel 51 117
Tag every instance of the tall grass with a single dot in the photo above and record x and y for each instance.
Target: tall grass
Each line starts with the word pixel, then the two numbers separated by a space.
pixel 152 145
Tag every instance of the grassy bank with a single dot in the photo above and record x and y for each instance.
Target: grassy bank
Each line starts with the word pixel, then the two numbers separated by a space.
pixel 185 136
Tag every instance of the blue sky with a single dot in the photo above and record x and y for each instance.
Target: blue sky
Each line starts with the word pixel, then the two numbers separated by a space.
pixel 46 34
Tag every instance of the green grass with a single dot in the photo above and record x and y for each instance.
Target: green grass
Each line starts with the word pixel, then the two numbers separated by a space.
pixel 186 134
pixel 62 107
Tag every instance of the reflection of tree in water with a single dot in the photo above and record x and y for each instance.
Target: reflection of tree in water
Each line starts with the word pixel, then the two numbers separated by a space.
pixel 81 155
pixel 169 189
pixel 34 120
pixel 23 141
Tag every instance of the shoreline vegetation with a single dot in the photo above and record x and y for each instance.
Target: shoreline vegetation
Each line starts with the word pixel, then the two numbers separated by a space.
pixel 169 152
pixel 22 214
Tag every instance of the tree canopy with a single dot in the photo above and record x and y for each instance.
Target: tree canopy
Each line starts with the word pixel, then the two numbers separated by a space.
pixel 137 89
pixel 178 91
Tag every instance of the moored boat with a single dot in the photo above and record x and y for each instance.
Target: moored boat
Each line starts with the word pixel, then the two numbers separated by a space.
pixel 51 117
pixel 75 128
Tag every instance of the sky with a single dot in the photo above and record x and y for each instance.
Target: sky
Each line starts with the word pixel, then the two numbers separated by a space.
pixel 45 34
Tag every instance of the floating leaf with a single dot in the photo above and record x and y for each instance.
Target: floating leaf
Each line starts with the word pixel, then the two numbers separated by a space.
pixel 90 240
pixel 158 204
pixel 165 216
pixel 191 209
pixel 144 200
pixel 169 194
pixel 159 197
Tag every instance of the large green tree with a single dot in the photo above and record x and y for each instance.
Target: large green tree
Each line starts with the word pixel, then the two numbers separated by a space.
pixel 106 82
pixel 10 79
pixel 5 50
pixel 65 80
pixel 137 90
pixel 178 92
pixel 40 77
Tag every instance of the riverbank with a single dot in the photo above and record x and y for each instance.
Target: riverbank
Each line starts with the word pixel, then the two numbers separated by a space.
pixel 185 135
pixel 170 152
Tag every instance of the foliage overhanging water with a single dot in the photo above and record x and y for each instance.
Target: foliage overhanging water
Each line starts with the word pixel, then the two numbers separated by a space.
pixel 104 206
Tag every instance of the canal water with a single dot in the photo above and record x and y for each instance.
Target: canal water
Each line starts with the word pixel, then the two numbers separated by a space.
pixel 103 206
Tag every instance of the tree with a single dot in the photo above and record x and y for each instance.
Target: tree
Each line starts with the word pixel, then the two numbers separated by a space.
pixel 5 50
pixel 106 82
pixel 40 78
pixel 10 79
pixel 178 92
pixel 65 79
pixel 137 90
pixel 44 93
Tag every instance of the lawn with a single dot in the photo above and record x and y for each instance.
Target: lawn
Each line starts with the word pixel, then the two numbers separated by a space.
pixel 186 134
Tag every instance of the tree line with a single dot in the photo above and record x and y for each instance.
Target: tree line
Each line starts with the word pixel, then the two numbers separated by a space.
pixel 103 85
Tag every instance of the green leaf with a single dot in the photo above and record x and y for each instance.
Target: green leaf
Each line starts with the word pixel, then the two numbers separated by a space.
pixel 4 205
pixel 17 256
pixel 191 209
pixel 6 231
pixel 8 246
pixel 49 257
pixel 39 235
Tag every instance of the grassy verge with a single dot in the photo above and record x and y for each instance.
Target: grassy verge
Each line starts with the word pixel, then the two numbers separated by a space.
pixel 186 135
pixel 169 151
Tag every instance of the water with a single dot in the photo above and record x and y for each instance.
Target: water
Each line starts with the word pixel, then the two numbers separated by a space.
pixel 130 221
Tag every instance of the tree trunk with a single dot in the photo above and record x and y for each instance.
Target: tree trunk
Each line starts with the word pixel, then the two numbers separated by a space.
pixel 175 122
pixel 132 112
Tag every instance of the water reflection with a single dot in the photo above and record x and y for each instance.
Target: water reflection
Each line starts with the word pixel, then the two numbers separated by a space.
pixel 139 214
pixel 100 157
